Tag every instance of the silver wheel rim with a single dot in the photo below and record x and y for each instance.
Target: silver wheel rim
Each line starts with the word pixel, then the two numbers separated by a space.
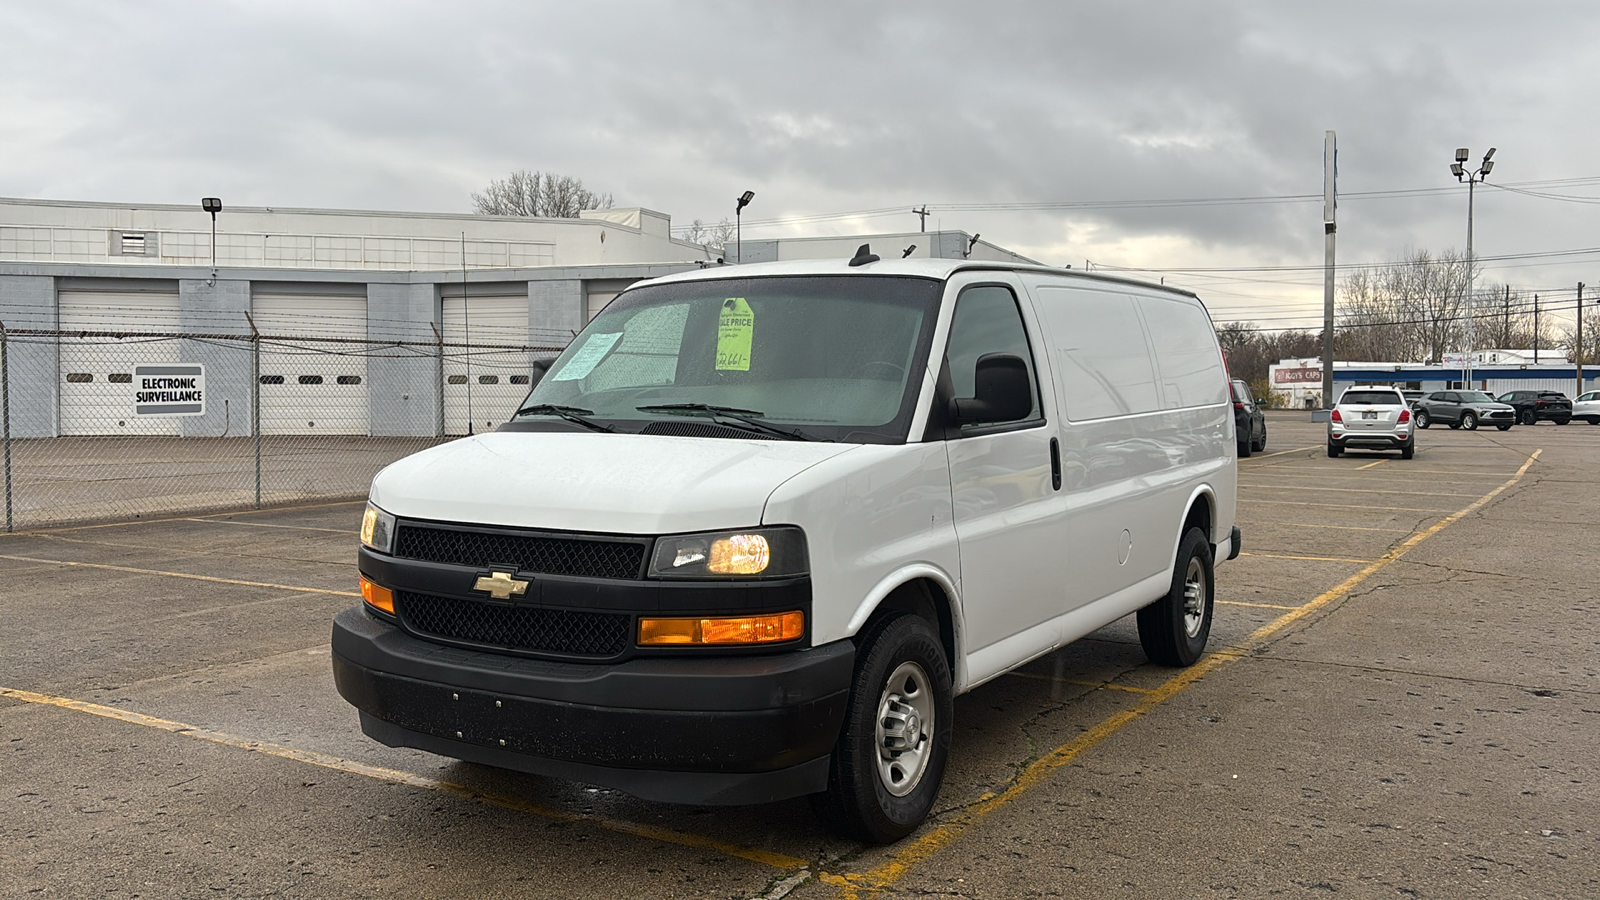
pixel 1194 597
pixel 904 729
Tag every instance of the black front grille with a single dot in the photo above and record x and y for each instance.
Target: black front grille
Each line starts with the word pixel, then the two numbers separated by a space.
pixel 539 554
pixel 530 629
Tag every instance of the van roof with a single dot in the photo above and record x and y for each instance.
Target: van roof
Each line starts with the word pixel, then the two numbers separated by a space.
pixel 939 269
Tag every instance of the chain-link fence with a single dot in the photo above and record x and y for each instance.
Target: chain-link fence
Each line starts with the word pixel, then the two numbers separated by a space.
pixel 102 426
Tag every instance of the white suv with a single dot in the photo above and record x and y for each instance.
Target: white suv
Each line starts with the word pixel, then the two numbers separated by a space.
pixel 1372 417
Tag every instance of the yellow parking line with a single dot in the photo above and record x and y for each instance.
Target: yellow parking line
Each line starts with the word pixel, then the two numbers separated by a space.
pixel 1257 605
pixel 1080 682
pixel 1311 558
pixel 852 884
pixel 1340 527
pixel 665 835
pixel 1371 464
pixel 212 578
pixel 1440 512
pixel 1282 452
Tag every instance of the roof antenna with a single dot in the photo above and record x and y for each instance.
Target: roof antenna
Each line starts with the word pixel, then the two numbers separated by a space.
pixel 864 255
pixel 909 251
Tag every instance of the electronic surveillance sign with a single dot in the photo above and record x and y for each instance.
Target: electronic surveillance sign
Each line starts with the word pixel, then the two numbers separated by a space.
pixel 171 390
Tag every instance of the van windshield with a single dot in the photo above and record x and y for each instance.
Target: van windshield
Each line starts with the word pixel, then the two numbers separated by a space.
pixel 837 358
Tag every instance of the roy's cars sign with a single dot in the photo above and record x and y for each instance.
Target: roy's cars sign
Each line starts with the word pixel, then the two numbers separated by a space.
pixel 1297 376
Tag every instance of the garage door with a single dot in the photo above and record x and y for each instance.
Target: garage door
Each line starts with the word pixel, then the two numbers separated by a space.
pixel 480 380
pixel 311 386
pixel 97 373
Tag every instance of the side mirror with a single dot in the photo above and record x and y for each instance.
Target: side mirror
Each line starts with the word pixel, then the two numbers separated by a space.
pixel 537 370
pixel 1001 391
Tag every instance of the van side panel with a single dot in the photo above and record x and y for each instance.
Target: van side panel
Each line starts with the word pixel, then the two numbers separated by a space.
pixel 1133 448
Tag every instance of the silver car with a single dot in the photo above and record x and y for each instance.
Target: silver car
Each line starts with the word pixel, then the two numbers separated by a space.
pixel 1587 407
pixel 1371 417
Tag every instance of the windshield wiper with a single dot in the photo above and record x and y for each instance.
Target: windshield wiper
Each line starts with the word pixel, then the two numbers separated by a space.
pixel 571 413
pixel 732 416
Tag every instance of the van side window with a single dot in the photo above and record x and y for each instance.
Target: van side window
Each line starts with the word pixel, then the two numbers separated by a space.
pixel 987 321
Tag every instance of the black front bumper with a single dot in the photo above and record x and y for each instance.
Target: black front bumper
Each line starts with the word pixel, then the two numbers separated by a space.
pixel 714 730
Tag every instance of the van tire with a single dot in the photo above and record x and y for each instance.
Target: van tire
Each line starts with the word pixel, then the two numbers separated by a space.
pixel 1174 629
pixel 859 803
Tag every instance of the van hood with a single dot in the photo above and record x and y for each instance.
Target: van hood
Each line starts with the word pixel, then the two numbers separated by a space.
pixel 609 483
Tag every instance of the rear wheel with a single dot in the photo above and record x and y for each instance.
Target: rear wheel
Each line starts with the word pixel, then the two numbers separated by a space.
pixel 1503 427
pixel 1526 417
pixel 1469 421
pixel 1174 629
pixel 1423 420
pixel 1334 449
pixel 889 762
pixel 1244 449
pixel 1563 420
pixel 1409 450
pixel 1594 420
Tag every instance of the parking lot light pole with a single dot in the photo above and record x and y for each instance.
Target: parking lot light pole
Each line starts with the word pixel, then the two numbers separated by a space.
pixel 742 200
pixel 1462 173
pixel 212 205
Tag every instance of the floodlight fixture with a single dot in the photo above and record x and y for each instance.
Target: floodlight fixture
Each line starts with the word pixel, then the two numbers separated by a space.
pixel 1456 170
pixel 211 205
pixel 740 202
pixel 1488 156
pixel 1487 168
pixel 1461 154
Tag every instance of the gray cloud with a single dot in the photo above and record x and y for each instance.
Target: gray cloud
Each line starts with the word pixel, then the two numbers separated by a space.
pixel 825 107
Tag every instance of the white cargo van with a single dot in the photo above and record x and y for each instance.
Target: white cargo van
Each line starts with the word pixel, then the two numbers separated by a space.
pixel 758 525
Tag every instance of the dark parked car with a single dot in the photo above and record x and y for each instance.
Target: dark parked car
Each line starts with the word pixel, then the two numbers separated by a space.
pixel 1539 406
pixel 1463 409
pixel 1250 425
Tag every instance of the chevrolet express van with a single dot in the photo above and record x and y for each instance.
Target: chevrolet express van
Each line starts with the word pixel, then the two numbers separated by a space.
pixel 758 525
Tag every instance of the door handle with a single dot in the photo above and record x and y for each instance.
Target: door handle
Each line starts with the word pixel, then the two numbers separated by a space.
pixel 1055 464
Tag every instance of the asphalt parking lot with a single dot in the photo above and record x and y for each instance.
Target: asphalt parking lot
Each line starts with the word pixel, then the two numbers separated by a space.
pixel 1402 699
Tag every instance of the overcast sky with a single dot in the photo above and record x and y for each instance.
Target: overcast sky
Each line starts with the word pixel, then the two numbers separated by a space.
pixel 825 108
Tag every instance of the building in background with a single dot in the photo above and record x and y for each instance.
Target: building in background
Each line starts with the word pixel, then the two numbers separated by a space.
pixel 326 322
pixel 1298 382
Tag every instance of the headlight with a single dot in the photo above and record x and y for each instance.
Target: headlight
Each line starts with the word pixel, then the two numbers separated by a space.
pixel 757 553
pixel 377 529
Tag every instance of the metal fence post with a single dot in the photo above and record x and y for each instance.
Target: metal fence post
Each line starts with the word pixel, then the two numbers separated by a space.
pixel 5 415
pixel 438 380
pixel 255 399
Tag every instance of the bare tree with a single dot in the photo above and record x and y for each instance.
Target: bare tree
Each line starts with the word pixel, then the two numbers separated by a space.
pixel 713 237
pixel 538 195
pixel 1408 311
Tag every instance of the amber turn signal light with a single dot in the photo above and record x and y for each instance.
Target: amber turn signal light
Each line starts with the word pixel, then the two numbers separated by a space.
pixel 766 629
pixel 377 596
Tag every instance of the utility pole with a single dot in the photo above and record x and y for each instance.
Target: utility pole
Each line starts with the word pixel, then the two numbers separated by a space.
pixel 1330 203
pixel 1535 329
pixel 1580 348
pixel 922 214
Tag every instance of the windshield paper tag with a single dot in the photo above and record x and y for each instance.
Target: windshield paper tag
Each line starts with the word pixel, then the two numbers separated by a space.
pixel 587 357
pixel 735 327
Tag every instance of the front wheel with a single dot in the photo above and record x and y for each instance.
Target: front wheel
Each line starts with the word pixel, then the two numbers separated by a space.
pixel 1422 419
pixel 1564 420
pixel 1244 449
pixel 1594 420
pixel 1503 427
pixel 1527 417
pixel 1469 421
pixel 889 761
pixel 1174 629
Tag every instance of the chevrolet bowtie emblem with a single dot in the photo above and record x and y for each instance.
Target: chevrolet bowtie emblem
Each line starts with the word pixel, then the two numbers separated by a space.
pixel 501 586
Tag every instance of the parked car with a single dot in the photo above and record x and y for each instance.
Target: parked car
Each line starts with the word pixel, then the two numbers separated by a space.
pixel 758 525
pixel 1463 409
pixel 1249 424
pixel 1371 417
pixel 1587 407
pixel 1411 396
pixel 1539 406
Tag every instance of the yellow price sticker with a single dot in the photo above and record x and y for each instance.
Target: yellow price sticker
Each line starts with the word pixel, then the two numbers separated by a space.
pixel 736 327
